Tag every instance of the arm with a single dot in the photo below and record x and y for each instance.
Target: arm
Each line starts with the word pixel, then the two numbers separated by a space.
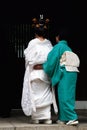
pixel 50 64
pixel 38 67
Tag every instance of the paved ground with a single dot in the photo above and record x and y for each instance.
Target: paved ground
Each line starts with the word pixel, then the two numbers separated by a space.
pixel 18 121
pixel 18 114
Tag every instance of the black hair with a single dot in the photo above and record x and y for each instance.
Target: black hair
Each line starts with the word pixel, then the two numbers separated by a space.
pixel 40 27
pixel 41 30
pixel 64 34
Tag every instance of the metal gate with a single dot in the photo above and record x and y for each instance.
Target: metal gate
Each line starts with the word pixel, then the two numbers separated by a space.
pixel 19 36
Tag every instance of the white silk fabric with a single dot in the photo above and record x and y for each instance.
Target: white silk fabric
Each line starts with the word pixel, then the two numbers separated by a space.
pixel 39 95
pixel 70 60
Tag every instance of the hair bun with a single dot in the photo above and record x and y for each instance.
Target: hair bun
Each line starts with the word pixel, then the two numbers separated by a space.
pixel 41 22
pixel 34 20
pixel 47 21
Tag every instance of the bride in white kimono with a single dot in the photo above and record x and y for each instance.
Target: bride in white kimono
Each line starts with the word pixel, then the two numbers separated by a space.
pixel 37 94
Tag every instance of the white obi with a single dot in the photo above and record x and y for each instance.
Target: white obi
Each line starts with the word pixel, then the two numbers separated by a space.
pixel 70 60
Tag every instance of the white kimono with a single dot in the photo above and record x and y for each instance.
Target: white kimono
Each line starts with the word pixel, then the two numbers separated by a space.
pixel 37 95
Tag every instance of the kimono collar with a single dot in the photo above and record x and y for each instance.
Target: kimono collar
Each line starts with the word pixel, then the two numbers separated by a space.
pixel 63 42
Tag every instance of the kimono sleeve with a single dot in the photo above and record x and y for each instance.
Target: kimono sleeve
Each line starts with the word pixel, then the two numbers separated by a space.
pixel 50 64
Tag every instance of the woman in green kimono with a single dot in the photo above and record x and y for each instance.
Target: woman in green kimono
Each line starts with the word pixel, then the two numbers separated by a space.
pixel 62 67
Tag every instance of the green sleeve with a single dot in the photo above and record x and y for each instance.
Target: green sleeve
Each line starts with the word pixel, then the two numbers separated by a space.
pixel 50 64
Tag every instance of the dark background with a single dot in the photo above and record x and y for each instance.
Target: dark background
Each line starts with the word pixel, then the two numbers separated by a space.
pixel 61 13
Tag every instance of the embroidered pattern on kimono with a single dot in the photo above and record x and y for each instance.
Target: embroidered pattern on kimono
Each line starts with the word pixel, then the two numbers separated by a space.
pixel 35 53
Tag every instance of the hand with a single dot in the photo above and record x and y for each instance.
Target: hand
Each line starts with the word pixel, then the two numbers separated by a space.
pixel 38 67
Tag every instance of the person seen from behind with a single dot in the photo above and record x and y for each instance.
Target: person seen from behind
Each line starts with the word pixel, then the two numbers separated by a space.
pixel 37 96
pixel 62 67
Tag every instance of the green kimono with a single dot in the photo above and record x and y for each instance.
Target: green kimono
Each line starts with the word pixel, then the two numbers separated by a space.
pixel 65 81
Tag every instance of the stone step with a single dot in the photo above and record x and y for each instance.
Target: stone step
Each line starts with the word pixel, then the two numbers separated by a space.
pixel 18 121
pixel 20 125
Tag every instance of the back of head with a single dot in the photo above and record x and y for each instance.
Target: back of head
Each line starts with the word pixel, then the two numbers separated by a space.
pixel 64 34
pixel 40 26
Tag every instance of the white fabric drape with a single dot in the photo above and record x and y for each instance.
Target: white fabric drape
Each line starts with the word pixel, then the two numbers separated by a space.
pixel 36 53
